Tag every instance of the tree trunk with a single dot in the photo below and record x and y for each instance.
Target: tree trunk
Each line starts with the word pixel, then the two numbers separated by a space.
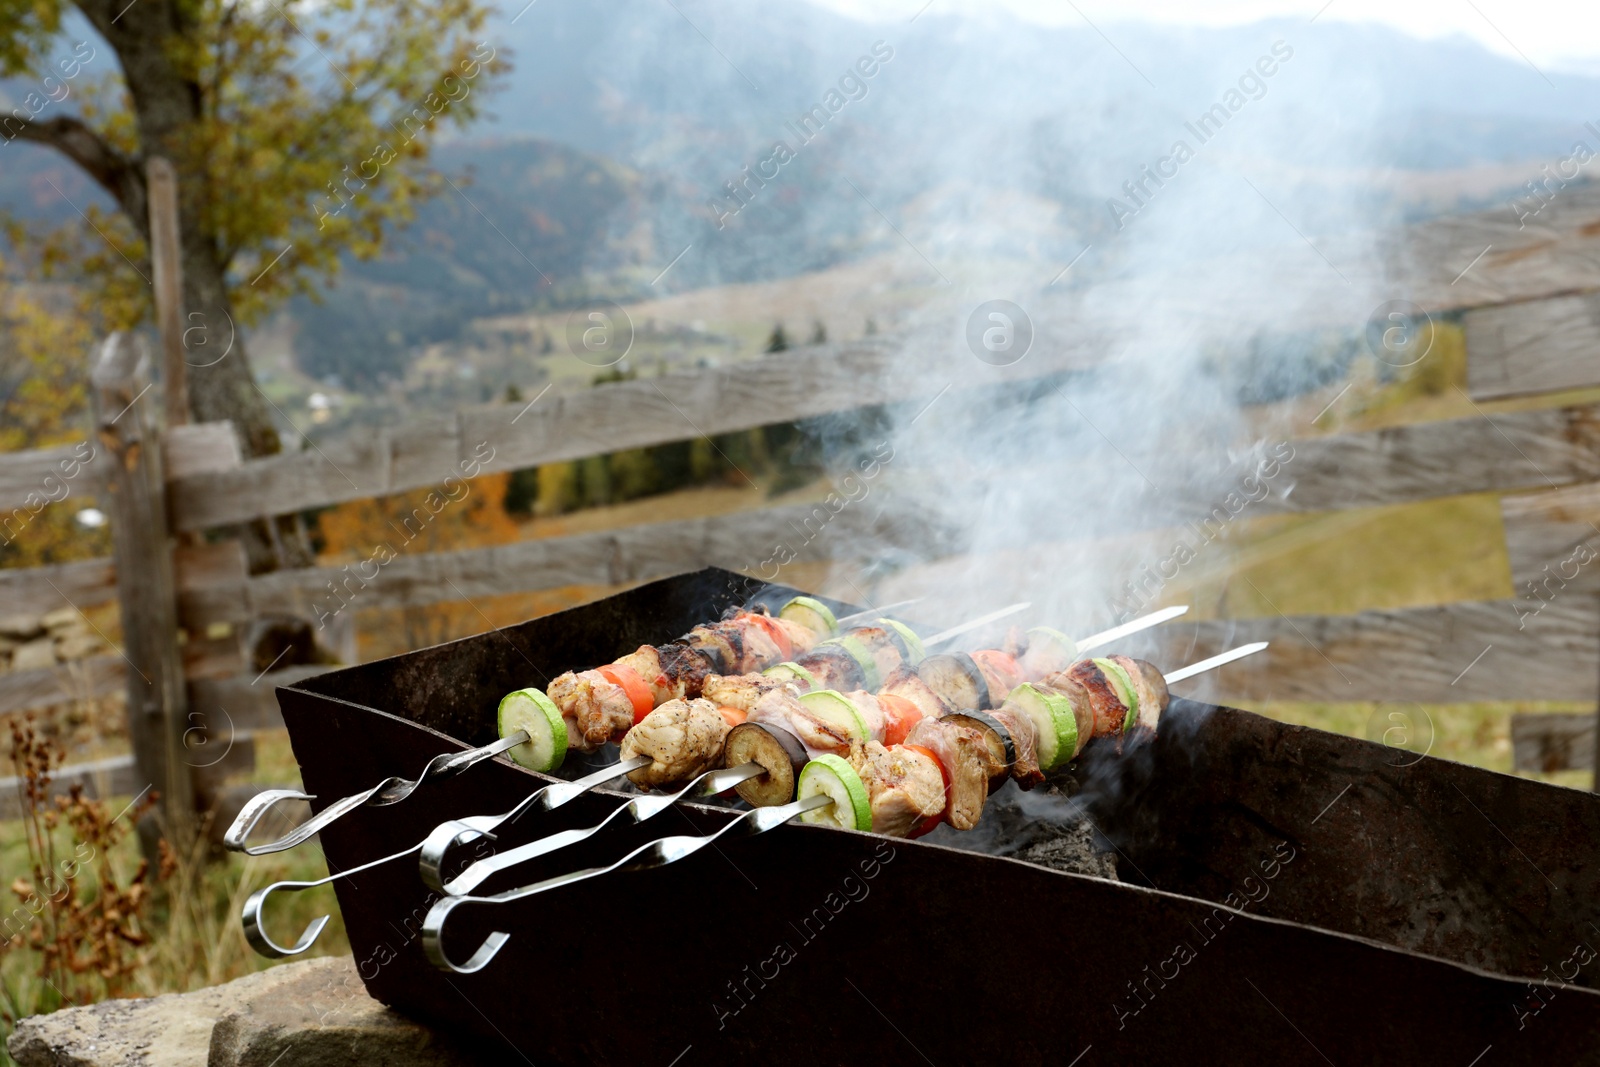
pixel 222 385
pixel 166 105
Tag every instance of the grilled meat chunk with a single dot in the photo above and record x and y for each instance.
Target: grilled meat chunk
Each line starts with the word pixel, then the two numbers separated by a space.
pixel 1025 740
pixel 802 639
pixel 722 646
pixel 1110 713
pixel 1151 685
pixel 867 704
pixel 596 709
pixel 781 707
pixel 994 751
pixel 759 647
pixel 885 646
pixel 906 788
pixel 684 668
pixel 960 749
pixel 740 690
pixel 907 683
pixel 682 739
pixel 1000 673
pixel 834 668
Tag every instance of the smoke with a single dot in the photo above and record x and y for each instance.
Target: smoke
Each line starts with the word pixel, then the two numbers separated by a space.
pixel 1100 260
pixel 1109 284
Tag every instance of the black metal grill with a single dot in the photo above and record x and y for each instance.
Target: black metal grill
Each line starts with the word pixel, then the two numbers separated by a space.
pixel 1379 912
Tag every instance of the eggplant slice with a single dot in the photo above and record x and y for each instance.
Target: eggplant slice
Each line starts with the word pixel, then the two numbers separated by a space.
pixel 780 754
pixel 957 680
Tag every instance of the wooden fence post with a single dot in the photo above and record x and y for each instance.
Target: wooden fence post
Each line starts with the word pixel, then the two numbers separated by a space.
pixel 125 421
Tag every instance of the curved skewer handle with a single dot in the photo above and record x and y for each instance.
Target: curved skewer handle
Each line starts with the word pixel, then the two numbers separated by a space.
pixel 633 812
pixel 656 853
pixel 253 917
pixel 258 806
pixel 448 835
pixel 389 791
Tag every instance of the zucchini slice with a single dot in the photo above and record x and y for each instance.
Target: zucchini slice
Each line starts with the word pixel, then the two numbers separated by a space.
pixel 836 709
pixel 1048 651
pixel 789 669
pixel 863 657
pixel 1052 715
pixel 833 777
pixel 912 652
pixel 811 613
pixel 1117 675
pixel 531 711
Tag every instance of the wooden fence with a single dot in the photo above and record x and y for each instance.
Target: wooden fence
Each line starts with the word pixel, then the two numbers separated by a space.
pixel 1532 326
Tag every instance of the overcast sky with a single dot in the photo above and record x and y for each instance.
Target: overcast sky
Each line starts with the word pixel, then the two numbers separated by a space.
pixel 1557 34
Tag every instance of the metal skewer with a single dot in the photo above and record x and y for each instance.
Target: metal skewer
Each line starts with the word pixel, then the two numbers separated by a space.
pixel 435 849
pixel 1132 626
pixel 972 624
pixel 632 813
pixel 551 796
pixel 1184 673
pixel 389 791
pixel 873 613
pixel 654 854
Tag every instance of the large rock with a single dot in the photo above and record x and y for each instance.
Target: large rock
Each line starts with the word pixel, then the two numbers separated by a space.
pixel 78 646
pixel 33 655
pixel 62 619
pixel 20 627
pixel 318 1009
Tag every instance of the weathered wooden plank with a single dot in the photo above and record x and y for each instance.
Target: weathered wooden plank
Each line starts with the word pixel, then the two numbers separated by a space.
pixel 228 707
pixel 213 657
pixel 100 779
pixel 1535 347
pixel 36 590
pixel 42 687
pixel 211 584
pixel 1399 464
pixel 1459 652
pixel 1553 542
pixel 1432 459
pixel 1552 742
pixel 1523 256
pixel 676 407
pixel 753 541
pixel 135 494
pixel 202 448
pixel 33 479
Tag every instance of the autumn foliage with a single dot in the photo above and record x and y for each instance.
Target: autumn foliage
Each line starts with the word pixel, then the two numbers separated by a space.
pixel 422 521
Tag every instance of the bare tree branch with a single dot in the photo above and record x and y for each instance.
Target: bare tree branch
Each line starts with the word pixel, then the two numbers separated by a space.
pixel 78 142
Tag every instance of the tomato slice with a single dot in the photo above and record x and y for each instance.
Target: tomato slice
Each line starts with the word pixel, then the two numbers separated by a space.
pixel 900 715
pixel 732 716
pixel 644 702
pixel 931 821
pixel 774 631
